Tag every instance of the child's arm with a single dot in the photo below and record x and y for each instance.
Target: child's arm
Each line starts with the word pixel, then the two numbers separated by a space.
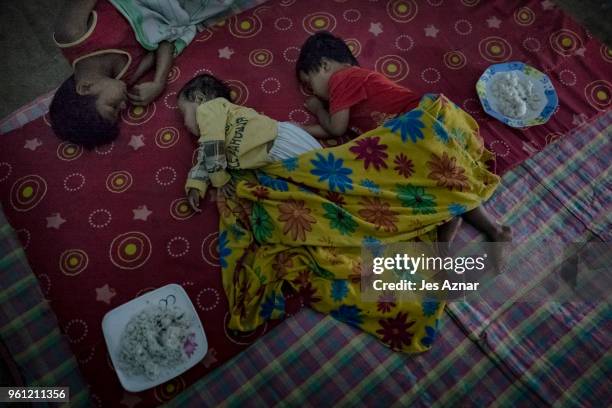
pixel 197 181
pixel 212 118
pixel 144 93
pixel 335 125
pixel 317 131
pixel 146 64
pixel 73 20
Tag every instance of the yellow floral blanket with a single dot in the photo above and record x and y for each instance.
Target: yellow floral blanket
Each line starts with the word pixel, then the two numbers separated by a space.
pixel 300 224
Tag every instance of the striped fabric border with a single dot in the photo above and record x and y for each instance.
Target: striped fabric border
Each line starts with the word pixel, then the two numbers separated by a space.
pixel 334 364
pixel 29 329
pixel 26 114
pixel 489 352
pixel 550 346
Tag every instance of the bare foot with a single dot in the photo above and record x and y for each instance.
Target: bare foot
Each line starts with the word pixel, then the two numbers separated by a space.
pixel 446 235
pixel 448 230
pixel 501 235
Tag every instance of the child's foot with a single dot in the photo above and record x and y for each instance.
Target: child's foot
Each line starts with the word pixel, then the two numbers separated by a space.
pixel 501 235
pixel 446 235
pixel 448 230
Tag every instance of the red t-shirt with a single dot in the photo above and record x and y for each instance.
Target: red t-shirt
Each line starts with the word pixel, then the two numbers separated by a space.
pixel 109 32
pixel 371 97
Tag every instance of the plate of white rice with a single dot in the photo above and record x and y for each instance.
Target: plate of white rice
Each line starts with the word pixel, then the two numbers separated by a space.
pixel 517 94
pixel 154 338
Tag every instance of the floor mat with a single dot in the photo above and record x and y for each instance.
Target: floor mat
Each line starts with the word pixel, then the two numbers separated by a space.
pixel 313 360
pixel 553 341
pixel 102 227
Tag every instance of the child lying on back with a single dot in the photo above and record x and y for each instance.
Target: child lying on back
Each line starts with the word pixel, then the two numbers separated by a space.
pixel 232 137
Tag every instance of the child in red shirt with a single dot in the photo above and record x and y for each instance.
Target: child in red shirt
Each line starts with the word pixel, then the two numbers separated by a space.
pixel 371 97
pixel 363 100
pixel 102 48
pixel 359 99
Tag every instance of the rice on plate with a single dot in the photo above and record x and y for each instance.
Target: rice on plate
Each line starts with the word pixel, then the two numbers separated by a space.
pixel 515 94
pixel 154 339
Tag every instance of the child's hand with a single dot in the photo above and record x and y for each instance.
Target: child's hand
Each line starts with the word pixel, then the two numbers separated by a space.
pixel 313 104
pixel 145 93
pixel 228 190
pixel 193 196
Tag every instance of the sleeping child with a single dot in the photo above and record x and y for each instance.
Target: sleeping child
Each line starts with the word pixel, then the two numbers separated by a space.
pixel 232 137
pixel 359 99
pixel 363 100
pixel 107 59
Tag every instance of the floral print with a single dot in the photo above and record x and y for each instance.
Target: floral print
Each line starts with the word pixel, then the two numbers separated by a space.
pixel 333 171
pixel 430 307
pixel 282 262
pixel 456 209
pixel 348 314
pixel 370 185
pixel 290 164
pixel 403 165
pixel 335 198
pixel 378 213
pixel 272 303
pixel 417 199
pixel 386 302
pixel 339 219
pixel 339 290
pixel 371 152
pixel 261 192
pixel 272 182
pixel 303 223
pixel 308 294
pixel 460 136
pixel 296 218
pixel 430 335
pixel 440 130
pixel 447 173
pixel 224 250
pixel 261 223
pixel 394 330
pixel 373 245
pixel 409 125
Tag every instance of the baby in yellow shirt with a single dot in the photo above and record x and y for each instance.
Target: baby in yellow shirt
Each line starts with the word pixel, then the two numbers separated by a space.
pixel 232 136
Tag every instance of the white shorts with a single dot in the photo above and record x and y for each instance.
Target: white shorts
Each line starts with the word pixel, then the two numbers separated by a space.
pixel 291 141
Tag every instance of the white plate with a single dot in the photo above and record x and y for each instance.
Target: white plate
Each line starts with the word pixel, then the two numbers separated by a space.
pixel 543 87
pixel 115 321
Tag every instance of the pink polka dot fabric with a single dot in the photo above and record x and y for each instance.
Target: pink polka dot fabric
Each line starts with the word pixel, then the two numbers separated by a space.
pixel 104 226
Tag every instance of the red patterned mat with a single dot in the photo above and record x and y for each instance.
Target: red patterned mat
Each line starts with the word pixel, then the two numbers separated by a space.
pixel 102 227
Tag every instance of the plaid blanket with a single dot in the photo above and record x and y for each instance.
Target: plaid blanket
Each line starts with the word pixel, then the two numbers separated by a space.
pixel 28 328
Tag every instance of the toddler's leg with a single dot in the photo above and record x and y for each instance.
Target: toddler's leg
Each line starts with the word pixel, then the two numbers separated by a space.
pixel 482 220
pixel 446 235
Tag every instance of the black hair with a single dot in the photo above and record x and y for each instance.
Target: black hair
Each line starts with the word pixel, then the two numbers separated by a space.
pixel 74 118
pixel 323 45
pixel 209 85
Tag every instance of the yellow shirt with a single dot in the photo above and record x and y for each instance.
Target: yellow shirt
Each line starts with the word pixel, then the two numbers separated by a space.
pixel 231 137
